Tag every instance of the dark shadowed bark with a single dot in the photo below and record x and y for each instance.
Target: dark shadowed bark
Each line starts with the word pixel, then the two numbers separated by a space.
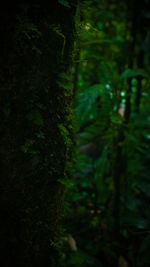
pixel 35 136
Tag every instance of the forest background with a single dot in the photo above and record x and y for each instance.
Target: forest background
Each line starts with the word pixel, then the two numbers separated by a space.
pixel 109 210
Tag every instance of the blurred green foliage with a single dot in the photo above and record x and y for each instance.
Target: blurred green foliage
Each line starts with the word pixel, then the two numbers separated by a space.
pixel 108 215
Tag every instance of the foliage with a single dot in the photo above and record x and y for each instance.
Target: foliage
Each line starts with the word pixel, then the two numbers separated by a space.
pixel 64 3
pixel 108 213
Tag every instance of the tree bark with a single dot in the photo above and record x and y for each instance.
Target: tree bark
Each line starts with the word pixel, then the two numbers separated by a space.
pixel 35 133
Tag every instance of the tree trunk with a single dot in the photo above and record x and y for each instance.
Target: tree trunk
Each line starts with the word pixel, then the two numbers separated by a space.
pixel 35 136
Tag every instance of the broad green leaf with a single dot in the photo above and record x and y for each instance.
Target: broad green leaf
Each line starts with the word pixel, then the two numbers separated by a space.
pixel 64 3
pixel 131 73
pixel 87 100
pixel 127 74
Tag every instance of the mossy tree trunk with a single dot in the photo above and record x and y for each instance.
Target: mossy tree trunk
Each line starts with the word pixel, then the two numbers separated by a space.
pixel 35 132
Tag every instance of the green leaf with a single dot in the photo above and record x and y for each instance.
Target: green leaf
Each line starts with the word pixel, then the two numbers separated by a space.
pixel 66 182
pixel 87 100
pixel 131 73
pixel 40 135
pixel 127 74
pixel 64 3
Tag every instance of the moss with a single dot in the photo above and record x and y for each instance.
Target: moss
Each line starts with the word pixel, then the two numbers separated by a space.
pixel 66 135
